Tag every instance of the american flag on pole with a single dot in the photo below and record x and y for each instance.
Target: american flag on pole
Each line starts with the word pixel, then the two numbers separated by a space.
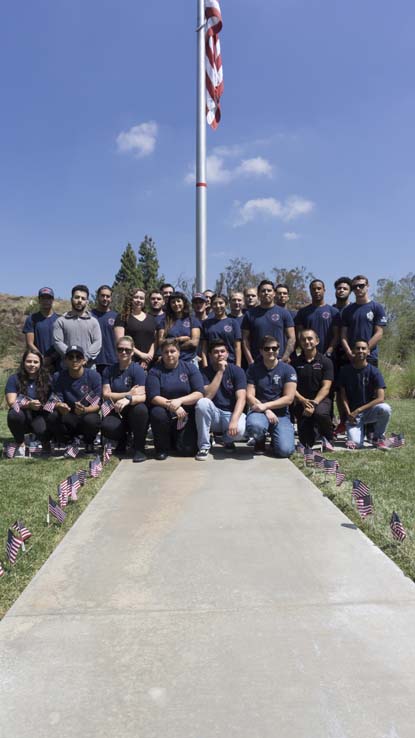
pixel 340 477
pixel 95 467
pixel 330 466
pixel 82 475
pixel 64 489
pixel 55 510
pixel 318 461
pixel 365 505
pixel 19 527
pixel 214 70
pixel 13 545
pixel 49 406
pixel 74 485
pixel 359 489
pixel 398 531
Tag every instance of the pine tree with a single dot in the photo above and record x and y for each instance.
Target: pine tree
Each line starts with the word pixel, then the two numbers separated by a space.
pixel 148 265
pixel 129 274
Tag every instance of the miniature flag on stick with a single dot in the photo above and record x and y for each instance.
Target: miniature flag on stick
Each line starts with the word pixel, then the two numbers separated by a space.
pixel 49 406
pixel 82 475
pixel 2 572
pixel 72 451
pixel 55 510
pixel 107 407
pixel 300 449
pixel 365 505
pixel 63 492
pixel 396 440
pixel 330 466
pixel 95 467
pixel 74 485
pixel 359 489
pixel 309 455
pixel 107 453
pixel 12 547
pixel 10 449
pixel 20 528
pixel 398 531
pixel 340 477
pixel 319 461
pixel 91 399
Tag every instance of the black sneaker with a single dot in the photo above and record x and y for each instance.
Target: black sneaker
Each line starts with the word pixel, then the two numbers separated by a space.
pixel 259 448
pixel 202 454
pixel 161 455
pixel 229 448
pixel 139 456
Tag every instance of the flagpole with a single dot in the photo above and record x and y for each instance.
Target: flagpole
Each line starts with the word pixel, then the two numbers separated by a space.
pixel 201 185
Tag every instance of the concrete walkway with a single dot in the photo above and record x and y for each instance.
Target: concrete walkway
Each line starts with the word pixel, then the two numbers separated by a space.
pixel 223 599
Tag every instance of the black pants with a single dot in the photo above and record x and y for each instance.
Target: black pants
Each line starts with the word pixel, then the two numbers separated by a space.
pixel 134 418
pixel 66 427
pixel 320 420
pixel 27 421
pixel 166 435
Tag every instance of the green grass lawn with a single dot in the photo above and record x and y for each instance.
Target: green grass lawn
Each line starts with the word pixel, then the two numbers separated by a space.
pixel 24 488
pixel 391 478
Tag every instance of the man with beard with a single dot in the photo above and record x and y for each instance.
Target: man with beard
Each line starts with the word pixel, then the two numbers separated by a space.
pixel 267 319
pixel 106 319
pixel 78 327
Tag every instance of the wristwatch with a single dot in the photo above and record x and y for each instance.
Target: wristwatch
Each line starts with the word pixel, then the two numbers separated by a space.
pixel 128 397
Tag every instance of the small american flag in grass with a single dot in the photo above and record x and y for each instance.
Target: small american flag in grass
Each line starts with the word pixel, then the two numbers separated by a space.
pixel 2 572
pixel 398 531
pixel 13 545
pixel 340 477
pixel 330 466
pixel 64 489
pixel 107 453
pixel 300 449
pixel 359 489
pixel 309 455
pixel 55 510
pixel 95 467
pixel 20 528
pixel 365 505
pixel 9 449
pixel 319 461
pixel 82 475
pixel 74 485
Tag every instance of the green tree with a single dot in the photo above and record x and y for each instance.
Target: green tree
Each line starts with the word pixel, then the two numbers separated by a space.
pixel 297 281
pixel 237 275
pixel 128 275
pixel 148 264
pixel 398 299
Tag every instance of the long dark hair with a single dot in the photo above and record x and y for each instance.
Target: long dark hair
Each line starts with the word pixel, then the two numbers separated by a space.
pixel 43 383
pixel 128 302
pixel 170 314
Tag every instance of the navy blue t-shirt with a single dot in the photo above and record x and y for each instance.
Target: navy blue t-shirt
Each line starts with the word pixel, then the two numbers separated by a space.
pixel 321 319
pixel 42 327
pixel 182 327
pixel 173 383
pixel 262 322
pixel 360 384
pixel 360 321
pixel 227 329
pixel 13 385
pixel 233 379
pixel 71 390
pixel 269 383
pixel 108 353
pixel 121 380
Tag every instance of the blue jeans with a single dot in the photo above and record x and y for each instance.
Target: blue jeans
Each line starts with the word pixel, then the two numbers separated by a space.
pixel 211 418
pixel 282 433
pixel 378 415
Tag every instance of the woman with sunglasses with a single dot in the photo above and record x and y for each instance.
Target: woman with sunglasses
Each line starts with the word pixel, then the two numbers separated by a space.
pixel 173 388
pixel 26 393
pixel 222 327
pixel 135 322
pixel 78 393
pixel 180 325
pixel 124 385
pixel 271 386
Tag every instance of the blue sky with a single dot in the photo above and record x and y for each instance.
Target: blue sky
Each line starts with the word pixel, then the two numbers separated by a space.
pixel 311 165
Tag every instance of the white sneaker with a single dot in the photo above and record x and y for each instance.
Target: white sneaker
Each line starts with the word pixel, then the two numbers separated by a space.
pixel 20 452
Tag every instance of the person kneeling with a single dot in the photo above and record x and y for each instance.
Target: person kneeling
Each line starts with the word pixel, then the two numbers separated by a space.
pixel 270 392
pixel 173 387
pixel 221 410
pixel 78 390
pixel 26 393
pixel 362 390
pixel 124 385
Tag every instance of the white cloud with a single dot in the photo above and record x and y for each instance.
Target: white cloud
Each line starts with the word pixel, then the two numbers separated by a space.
pixel 291 236
pixel 219 173
pixel 293 207
pixel 140 140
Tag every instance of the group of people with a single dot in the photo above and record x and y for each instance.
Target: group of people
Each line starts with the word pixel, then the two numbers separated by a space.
pixel 245 366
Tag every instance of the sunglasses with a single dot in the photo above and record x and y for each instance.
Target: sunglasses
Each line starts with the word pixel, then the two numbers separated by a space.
pixel 359 286
pixel 270 348
pixel 122 350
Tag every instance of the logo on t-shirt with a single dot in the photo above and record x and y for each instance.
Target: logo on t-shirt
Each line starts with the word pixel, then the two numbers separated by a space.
pixel 275 317
pixel 276 379
pixel 111 321
pixel 183 377
pixel 128 381
pixel 84 388
pixel 317 365
pixel 229 383
pixel 228 329
pixel 325 315
pixel 186 323
pixel 370 315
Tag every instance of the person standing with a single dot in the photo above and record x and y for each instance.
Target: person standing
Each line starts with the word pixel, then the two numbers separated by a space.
pixel 322 318
pixel 199 306
pixel 236 304
pixel 135 322
pixel 106 319
pixel 267 319
pixel 181 326
pixel 364 318
pixel 78 327
pixel 250 297
pixel 222 408
pixel 38 329
pixel 312 405
pixel 363 394
pixel 223 327
pixel 282 298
